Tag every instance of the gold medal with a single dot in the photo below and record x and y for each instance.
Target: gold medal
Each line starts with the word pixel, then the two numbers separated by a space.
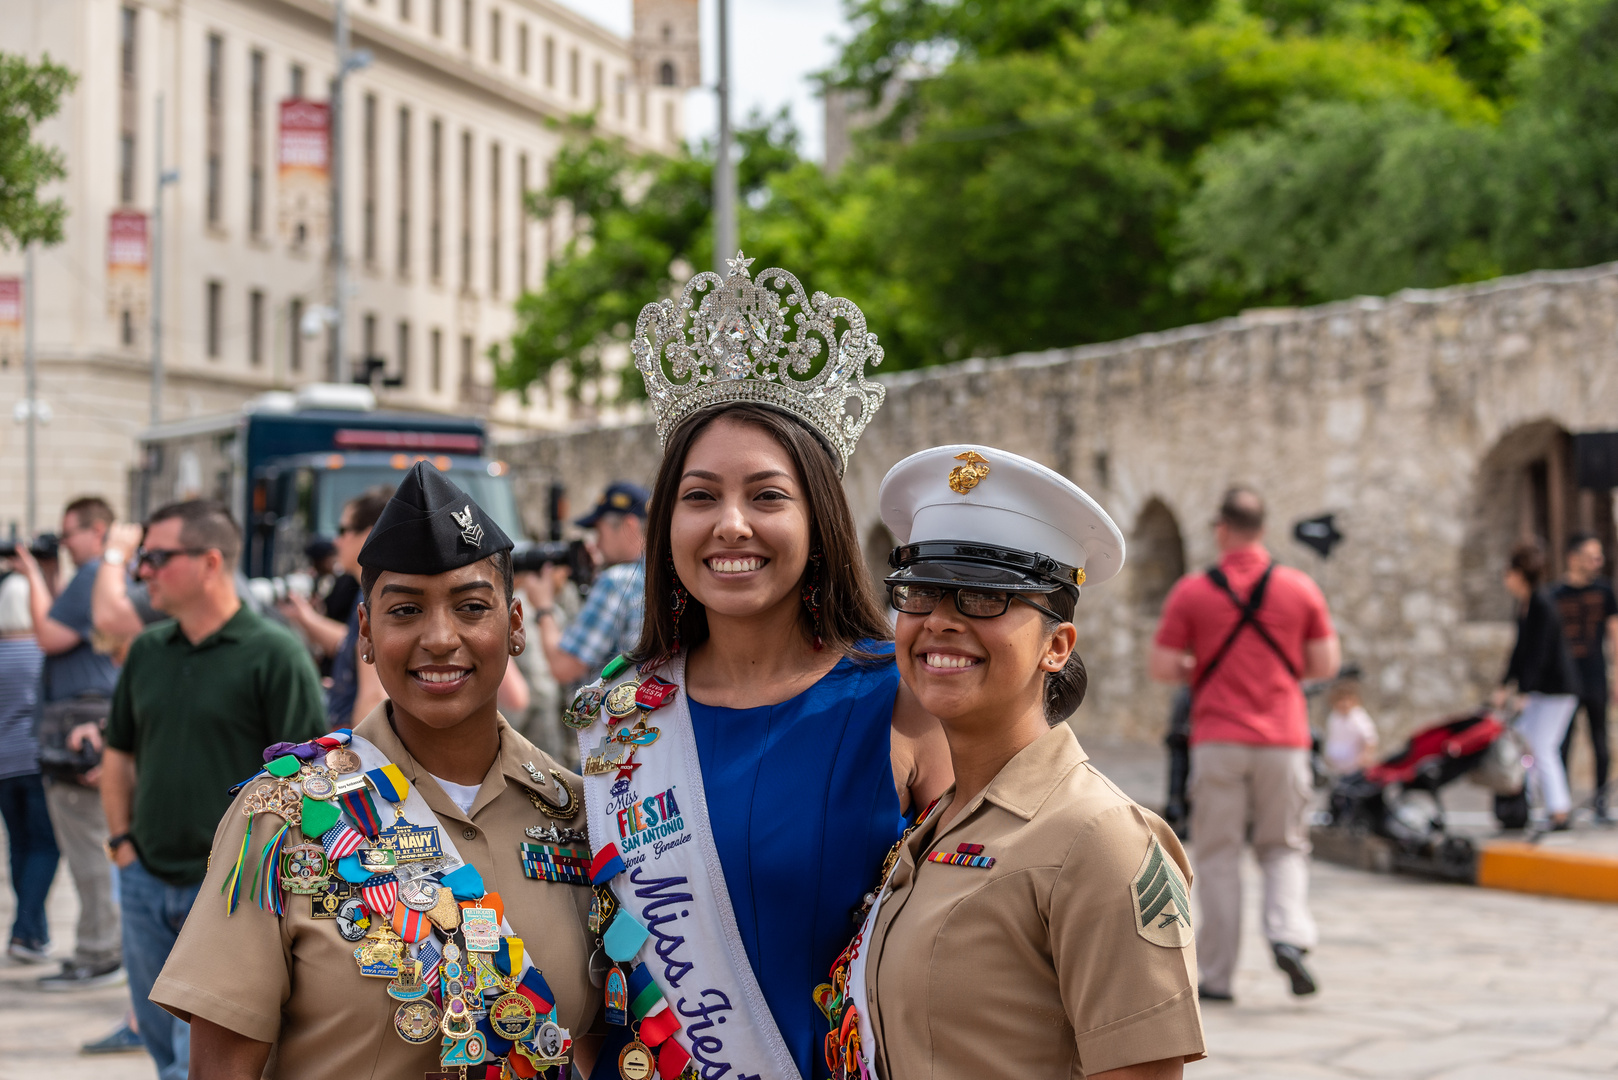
pixel 417 1022
pixel 319 785
pixel 407 985
pixel 380 954
pixel 512 1017
pixel 620 701
pixel 445 913
pixel 635 1062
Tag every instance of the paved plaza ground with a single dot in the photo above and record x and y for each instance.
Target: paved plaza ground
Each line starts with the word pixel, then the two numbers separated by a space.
pixel 1419 980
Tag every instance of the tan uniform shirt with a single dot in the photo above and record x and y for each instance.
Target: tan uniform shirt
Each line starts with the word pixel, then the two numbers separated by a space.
pixel 1038 965
pixel 293 981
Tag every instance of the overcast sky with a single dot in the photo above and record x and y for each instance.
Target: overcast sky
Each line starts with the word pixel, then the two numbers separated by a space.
pixel 774 45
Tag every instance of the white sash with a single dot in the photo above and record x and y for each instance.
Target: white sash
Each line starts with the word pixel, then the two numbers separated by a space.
pixel 673 883
pixel 416 810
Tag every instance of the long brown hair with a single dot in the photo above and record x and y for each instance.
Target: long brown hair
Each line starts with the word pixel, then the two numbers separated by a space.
pixel 848 611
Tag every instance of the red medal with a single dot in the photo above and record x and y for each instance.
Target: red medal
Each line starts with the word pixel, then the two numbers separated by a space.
pixel 654 693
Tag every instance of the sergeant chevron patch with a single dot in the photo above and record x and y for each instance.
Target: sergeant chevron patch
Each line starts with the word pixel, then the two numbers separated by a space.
pixel 1162 902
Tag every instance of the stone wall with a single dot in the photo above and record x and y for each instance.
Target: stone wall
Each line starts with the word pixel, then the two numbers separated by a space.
pixel 1416 419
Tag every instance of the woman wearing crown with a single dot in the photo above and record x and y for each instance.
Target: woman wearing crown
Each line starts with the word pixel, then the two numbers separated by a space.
pixel 750 766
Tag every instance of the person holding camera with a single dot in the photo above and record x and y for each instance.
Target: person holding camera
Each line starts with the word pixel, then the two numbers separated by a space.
pixel 76 689
pixel 609 623
pixel 29 839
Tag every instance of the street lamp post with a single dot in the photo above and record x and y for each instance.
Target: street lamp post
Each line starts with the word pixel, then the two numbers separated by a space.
pixel 164 177
pixel 724 170
pixel 31 379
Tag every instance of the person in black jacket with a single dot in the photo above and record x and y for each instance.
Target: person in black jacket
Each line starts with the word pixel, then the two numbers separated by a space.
pixel 1545 678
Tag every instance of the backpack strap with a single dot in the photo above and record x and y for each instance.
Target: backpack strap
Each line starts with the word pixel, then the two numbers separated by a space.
pixel 1249 617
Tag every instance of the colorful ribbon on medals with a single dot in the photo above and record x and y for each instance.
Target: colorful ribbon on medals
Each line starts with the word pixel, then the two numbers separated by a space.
pixel 362 810
pixel 390 783
pixel 267 879
pixel 380 894
pixel 232 886
pixel 341 840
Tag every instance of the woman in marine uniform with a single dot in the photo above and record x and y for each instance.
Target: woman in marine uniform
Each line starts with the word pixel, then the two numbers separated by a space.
pixel 1036 922
pixel 407 899
pixel 747 770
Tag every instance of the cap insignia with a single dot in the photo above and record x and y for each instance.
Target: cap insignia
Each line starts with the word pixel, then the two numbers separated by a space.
pixel 471 531
pixel 1078 576
pixel 964 478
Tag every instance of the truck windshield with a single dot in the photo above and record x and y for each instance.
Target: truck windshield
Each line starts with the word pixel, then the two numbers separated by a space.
pixel 336 487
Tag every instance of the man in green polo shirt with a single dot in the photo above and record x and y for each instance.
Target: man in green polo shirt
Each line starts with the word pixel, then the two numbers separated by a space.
pixel 198 700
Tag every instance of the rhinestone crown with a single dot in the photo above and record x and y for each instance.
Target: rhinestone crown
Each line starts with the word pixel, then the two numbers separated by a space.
pixel 738 349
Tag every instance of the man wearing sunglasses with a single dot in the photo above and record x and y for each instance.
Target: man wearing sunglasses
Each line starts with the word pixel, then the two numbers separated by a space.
pixel 199 698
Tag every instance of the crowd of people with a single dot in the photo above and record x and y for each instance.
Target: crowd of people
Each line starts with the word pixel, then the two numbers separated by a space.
pixel 335 839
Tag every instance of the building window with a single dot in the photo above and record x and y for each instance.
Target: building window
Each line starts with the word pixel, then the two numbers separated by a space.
pixel 550 61
pixel 466 211
pixel 466 367
pixel 255 150
pixel 402 354
pixel 438 18
pixel 494 35
pixel 620 96
pixel 435 358
pixel 665 73
pixel 404 10
pixel 126 326
pixel 368 182
pixel 216 126
pixel 466 25
pixel 255 328
pixel 640 110
pixel 404 191
pixel 522 48
pixel 435 201
pixel 216 291
pixel 295 80
pixel 668 120
pixel 128 104
pixel 494 219
pixel 523 225
pixel 369 336
pixel 295 334
pixel 573 73
pixel 598 93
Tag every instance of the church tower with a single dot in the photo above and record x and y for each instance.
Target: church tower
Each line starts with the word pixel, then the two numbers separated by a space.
pixel 667 43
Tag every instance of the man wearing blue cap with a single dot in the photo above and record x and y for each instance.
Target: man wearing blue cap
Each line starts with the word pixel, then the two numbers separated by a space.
pixel 610 621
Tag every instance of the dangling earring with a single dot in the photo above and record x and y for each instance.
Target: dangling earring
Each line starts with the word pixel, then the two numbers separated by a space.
pixel 811 598
pixel 678 598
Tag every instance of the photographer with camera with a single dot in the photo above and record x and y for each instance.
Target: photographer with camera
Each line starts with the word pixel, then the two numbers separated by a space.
pixel 76 693
pixel 610 621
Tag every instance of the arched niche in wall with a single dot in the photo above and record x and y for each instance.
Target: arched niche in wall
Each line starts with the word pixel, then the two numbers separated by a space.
pixel 1525 490
pixel 1155 557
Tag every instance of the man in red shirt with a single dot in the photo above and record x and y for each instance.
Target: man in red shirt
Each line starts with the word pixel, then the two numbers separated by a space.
pixel 1243 635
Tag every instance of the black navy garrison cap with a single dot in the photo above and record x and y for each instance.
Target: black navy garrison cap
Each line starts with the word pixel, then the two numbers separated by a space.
pixel 430 526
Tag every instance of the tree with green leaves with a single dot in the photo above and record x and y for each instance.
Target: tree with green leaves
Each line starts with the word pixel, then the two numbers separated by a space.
pixel 1348 198
pixel 29 94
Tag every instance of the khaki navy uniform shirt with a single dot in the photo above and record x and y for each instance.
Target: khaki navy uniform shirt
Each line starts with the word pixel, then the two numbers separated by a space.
pixel 1070 956
pixel 292 980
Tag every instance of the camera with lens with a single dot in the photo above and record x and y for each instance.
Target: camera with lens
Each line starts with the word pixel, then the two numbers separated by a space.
pixel 573 554
pixel 43 547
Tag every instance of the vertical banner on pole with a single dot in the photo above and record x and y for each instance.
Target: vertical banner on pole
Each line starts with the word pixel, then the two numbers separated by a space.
pixel 304 164
pixel 128 262
pixel 10 319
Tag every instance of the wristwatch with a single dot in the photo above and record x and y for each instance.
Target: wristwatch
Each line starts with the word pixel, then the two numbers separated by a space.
pixel 113 557
pixel 115 842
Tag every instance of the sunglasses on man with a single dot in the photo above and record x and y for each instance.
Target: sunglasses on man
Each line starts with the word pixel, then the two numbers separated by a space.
pixel 918 598
pixel 157 558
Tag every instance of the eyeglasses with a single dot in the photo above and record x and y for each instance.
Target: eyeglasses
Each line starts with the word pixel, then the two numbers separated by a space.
pixel 157 558
pixel 923 599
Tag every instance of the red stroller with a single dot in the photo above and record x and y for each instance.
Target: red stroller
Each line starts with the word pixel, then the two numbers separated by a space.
pixel 1476 746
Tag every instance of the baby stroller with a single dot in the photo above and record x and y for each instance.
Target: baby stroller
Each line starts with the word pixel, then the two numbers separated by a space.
pixel 1375 800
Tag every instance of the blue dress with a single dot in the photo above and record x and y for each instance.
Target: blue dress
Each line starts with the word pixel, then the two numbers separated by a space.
pixel 801 801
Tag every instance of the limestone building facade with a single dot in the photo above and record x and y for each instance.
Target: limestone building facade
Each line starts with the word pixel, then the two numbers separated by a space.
pixel 1435 425
pixel 459 113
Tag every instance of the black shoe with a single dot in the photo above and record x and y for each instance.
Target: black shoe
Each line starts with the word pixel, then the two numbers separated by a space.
pixel 77 976
pixel 1601 816
pixel 121 1041
pixel 1205 994
pixel 1289 958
